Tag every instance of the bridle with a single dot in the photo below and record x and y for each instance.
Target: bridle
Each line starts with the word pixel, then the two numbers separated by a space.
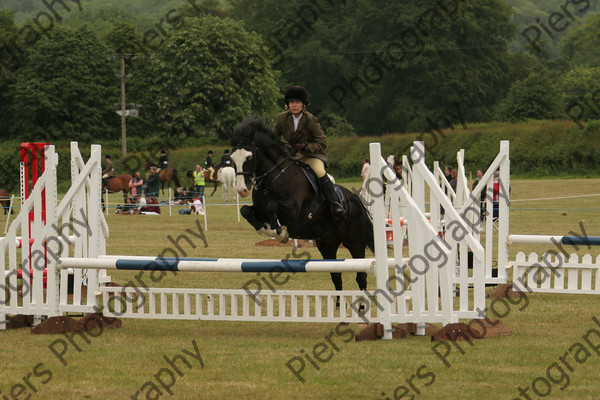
pixel 256 180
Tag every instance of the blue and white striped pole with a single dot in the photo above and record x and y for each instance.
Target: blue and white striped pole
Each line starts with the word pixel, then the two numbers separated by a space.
pixel 554 239
pixel 219 264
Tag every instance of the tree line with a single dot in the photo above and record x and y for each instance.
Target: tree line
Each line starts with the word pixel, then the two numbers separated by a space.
pixel 371 68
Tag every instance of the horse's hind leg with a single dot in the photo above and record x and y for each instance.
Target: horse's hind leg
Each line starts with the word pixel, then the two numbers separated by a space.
pixel 357 250
pixel 329 252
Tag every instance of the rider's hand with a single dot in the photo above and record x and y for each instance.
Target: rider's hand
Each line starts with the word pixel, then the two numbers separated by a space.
pixel 299 146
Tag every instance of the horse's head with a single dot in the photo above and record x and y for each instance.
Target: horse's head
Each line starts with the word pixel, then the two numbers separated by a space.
pixel 255 150
pixel 242 153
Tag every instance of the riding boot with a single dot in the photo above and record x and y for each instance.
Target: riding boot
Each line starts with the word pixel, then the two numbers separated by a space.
pixel 331 197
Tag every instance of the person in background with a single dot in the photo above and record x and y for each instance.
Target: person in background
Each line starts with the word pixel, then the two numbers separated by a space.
pixel 108 171
pixel 135 186
pixel 448 173
pixel 482 202
pixel 453 179
pixel 208 164
pixel 226 159
pixel 199 182
pixel 163 161
pixel 365 169
pixel 152 183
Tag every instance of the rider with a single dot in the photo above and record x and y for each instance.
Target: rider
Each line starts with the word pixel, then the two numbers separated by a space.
pixel 163 161
pixel 304 134
pixel 108 171
pixel 208 164
pixel 226 159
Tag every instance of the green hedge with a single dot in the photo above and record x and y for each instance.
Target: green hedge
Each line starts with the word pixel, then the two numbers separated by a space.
pixel 537 148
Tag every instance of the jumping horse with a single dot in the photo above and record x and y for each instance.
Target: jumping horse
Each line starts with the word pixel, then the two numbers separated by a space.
pixel 283 198
pixel 166 175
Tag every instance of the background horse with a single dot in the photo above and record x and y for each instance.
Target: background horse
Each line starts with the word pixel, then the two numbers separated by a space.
pixel 5 201
pixel 283 197
pixel 227 179
pixel 119 183
pixel 215 178
pixel 166 175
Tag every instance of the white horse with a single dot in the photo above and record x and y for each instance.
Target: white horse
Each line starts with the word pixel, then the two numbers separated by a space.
pixel 227 179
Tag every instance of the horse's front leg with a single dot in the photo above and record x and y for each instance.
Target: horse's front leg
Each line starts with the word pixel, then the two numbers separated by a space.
pixel 280 233
pixel 249 212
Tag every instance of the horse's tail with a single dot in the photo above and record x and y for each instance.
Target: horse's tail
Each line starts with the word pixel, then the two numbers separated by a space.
pixel 175 178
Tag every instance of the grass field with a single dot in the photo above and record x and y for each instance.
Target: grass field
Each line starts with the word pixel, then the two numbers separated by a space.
pixel 248 360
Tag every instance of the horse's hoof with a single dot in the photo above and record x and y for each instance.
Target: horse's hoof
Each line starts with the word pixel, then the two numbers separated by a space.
pixel 284 236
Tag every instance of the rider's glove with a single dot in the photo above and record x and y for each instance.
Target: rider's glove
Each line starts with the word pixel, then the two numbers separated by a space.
pixel 299 146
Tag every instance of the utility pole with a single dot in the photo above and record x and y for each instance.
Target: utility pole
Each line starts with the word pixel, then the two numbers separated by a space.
pixel 122 110
pixel 123 116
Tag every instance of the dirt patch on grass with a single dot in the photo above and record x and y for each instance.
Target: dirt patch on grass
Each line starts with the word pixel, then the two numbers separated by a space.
pixel 290 243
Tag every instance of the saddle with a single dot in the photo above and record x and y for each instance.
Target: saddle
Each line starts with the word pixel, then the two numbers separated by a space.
pixel 312 179
pixel 319 199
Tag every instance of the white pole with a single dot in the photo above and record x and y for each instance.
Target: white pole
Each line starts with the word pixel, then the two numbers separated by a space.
pixel 10 205
pixel 237 199
pixel 378 211
pixel 205 220
pixel 106 201
pixel 170 200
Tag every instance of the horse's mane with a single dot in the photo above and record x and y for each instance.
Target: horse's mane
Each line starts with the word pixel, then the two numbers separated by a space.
pixel 247 131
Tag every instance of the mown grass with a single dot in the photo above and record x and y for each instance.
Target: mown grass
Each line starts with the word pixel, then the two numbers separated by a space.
pixel 248 360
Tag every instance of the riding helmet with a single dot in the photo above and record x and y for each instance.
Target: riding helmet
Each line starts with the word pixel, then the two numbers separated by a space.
pixel 296 93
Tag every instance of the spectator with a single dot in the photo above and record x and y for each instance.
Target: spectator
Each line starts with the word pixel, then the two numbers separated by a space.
pixel 398 170
pixel 208 164
pixel 448 172
pixel 365 169
pixel 482 202
pixel 496 194
pixel 163 161
pixel 226 159
pixel 181 194
pixel 453 179
pixel 147 207
pixel 127 208
pixel 153 183
pixel 199 182
pixel 195 207
pixel 477 180
pixel 152 207
pixel 135 186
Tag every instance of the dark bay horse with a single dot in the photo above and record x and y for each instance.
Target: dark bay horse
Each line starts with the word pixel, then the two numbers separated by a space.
pixel 5 200
pixel 119 183
pixel 283 195
pixel 166 175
